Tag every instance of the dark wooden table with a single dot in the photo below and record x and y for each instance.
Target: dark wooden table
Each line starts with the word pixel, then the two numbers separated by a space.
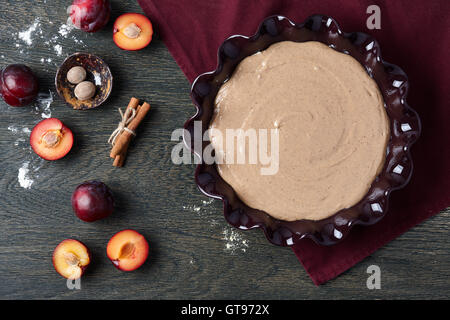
pixel 194 253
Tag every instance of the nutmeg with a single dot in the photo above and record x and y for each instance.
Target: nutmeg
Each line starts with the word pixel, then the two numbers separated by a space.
pixel 84 90
pixel 76 75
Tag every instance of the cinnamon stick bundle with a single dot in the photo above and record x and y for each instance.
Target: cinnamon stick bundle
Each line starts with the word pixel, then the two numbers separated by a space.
pixel 122 142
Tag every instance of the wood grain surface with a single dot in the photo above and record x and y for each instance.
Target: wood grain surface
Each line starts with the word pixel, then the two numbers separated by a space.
pixel 194 253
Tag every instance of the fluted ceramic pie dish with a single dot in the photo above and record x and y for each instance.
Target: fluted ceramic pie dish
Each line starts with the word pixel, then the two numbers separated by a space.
pixel 404 129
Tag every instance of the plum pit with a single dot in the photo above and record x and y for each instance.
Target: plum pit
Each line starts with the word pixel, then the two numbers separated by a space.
pixel 71 259
pixel 52 138
pixel 132 31
pixel 126 251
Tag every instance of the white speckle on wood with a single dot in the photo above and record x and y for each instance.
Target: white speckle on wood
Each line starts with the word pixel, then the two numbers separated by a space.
pixel 58 49
pixel 26 36
pixel 234 241
pixel 24 180
pixel 43 103
pixel 203 210
pixel 65 29
pixel 38 33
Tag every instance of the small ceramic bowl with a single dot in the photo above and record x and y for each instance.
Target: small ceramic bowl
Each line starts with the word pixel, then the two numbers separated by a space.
pixel 405 128
pixel 97 71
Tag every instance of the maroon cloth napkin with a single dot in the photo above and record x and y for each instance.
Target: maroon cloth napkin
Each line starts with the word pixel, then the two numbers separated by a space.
pixel 415 35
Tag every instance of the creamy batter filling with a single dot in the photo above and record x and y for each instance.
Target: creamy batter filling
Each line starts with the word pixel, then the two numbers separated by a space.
pixel 332 126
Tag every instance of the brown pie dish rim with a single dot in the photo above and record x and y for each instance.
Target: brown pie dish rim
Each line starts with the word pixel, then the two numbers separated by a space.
pixel 405 128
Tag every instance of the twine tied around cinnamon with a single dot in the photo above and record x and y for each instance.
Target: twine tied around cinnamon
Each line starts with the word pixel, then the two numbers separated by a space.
pixel 125 131
pixel 126 117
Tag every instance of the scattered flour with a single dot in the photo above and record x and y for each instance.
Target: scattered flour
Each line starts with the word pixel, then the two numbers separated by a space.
pixel 78 41
pixel 203 210
pixel 16 129
pixel 65 29
pixel 29 171
pixel 22 134
pixel 234 242
pixel 42 104
pixel 38 33
pixel 24 179
pixel 199 208
pixel 26 36
pixel 207 202
pixel 58 49
pixel 19 141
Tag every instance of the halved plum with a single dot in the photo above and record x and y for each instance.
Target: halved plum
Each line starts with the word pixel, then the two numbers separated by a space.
pixel 71 258
pixel 51 139
pixel 132 31
pixel 127 250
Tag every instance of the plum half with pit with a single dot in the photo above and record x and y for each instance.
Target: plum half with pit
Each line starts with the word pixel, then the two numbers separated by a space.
pixel 71 258
pixel 90 15
pixel 50 139
pixel 127 250
pixel 132 31
pixel 18 85
pixel 92 200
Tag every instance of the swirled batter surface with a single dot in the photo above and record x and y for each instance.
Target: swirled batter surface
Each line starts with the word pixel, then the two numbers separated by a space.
pixel 332 126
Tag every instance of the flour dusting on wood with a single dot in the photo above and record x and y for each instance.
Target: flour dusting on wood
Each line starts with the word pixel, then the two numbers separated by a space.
pixel 65 29
pixel 43 103
pixel 25 181
pixel 234 241
pixel 28 172
pixel 27 35
pixel 49 36
pixel 204 210
pixel 39 33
